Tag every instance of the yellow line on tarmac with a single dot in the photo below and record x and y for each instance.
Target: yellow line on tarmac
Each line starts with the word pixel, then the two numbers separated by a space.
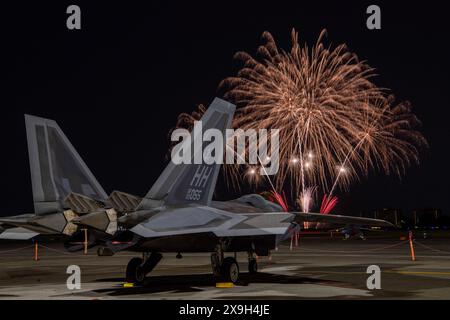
pixel 433 273
pixel 224 285
pixel 334 272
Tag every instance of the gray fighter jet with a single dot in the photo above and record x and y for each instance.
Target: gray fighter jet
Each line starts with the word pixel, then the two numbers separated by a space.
pixel 177 215
pixel 66 195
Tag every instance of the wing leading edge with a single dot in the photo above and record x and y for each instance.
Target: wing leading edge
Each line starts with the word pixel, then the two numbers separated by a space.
pixel 340 220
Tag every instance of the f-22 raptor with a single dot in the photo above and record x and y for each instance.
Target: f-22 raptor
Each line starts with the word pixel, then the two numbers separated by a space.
pixel 67 197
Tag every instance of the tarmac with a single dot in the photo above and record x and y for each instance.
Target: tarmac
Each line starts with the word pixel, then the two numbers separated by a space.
pixel 318 268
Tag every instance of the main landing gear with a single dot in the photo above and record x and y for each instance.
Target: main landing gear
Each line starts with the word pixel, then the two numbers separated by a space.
pixel 252 263
pixel 227 269
pixel 138 268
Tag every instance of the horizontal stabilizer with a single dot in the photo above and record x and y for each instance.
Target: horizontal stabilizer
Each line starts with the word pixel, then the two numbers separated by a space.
pixel 16 221
pixel 17 234
pixel 55 223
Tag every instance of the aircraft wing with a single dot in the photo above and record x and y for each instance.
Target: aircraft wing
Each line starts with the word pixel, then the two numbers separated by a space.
pixel 16 221
pixel 189 220
pixel 340 220
pixel 56 223
pixel 18 234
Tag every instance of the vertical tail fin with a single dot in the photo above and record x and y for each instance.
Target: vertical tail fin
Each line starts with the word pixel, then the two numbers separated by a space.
pixel 193 183
pixel 56 167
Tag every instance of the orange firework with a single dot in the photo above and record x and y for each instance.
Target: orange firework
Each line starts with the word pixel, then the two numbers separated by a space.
pixel 335 123
pixel 185 121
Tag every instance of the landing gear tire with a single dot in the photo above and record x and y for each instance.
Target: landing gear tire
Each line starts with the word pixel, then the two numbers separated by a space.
pixel 134 272
pixel 104 252
pixel 230 270
pixel 252 266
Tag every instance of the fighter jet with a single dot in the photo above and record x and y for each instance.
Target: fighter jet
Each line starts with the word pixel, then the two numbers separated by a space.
pixel 170 219
pixel 67 197
pixel 177 215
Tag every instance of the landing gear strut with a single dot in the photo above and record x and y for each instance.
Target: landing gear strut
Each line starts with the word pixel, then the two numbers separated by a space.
pixel 252 263
pixel 138 268
pixel 226 269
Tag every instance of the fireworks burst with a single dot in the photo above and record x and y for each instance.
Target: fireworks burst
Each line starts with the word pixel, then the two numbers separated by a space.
pixel 306 199
pixel 328 203
pixel 335 123
pixel 252 176
pixel 279 199
pixel 185 121
pixel 305 202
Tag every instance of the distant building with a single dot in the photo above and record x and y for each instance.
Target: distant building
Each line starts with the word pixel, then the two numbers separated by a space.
pixel 427 217
pixel 394 216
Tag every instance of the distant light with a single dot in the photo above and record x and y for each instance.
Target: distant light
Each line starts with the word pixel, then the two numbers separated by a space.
pixel 342 169
pixel 252 171
pixel 294 160
pixel 307 164
pixel 268 158
pixel 310 155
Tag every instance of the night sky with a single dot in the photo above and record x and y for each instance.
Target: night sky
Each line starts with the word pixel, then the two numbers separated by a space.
pixel 117 85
